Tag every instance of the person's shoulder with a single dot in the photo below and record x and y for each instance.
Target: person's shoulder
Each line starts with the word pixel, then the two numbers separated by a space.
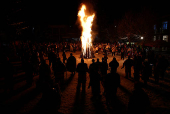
pixel 109 74
pixel 91 65
pixel 78 64
pixel 74 57
pixel 117 74
pixel 68 58
pixel 111 62
pixel 126 60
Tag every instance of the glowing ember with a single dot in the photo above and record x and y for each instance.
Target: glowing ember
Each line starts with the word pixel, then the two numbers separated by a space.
pixel 86 23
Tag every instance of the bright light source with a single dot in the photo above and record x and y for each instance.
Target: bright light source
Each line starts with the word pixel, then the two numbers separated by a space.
pixel 115 26
pixel 142 38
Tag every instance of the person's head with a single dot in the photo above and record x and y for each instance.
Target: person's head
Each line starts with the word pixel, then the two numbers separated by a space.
pixel 163 57
pixel 135 56
pixel 146 63
pixel 43 62
pixel 137 85
pixel 82 60
pixel 97 59
pixel 93 60
pixel 7 58
pixel 114 58
pixel 128 57
pixel 58 59
pixel 71 54
pixel 102 59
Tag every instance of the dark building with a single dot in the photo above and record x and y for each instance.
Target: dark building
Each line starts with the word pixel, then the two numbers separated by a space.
pixel 15 20
pixel 162 29
pixel 161 38
pixel 63 33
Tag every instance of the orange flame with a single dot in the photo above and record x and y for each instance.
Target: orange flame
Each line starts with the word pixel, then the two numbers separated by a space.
pixel 86 23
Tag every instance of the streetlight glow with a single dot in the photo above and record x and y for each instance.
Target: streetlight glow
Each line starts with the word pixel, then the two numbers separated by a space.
pixel 142 38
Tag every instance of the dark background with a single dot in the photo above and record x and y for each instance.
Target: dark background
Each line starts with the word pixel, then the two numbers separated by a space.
pixel 65 11
pixel 29 19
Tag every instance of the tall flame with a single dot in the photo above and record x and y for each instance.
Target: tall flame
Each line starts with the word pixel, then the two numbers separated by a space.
pixel 86 23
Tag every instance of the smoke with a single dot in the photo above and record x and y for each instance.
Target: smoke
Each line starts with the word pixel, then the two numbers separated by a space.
pixel 89 11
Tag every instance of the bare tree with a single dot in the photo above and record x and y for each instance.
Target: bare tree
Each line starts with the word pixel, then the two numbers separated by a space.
pixel 140 23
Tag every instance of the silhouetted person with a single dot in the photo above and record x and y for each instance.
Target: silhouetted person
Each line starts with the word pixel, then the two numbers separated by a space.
pixel 94 79
pixel 111 83
pixel 104 68
pixel 93 68
pixel 57 49
pixel 29 72
pixel 53 59
pixel 144 53
pixel 122 53
pixel 64 57
pixel 140 60
pixel 71 64
pixel 35 62
pixel 163 65
pixel 74 47
pixel 156 72
pixel 51 93
pixel 113 50
pixel 50 58
pixel 82 69
pixel 41 55
pixel 26 56
pixel 63 47
pixel 136 68
pixel 104 50
pixel 45 80
pixel 139 101
pixel 128 64
pixel 59 70
pixel 114 64
pixel 7 71
pixel 146 72
pixel 98 63
pixel 105 57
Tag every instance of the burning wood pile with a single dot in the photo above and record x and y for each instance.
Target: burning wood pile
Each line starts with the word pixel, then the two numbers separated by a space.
pixel 86 37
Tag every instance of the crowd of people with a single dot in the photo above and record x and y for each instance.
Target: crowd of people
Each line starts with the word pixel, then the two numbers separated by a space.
pixel 32 56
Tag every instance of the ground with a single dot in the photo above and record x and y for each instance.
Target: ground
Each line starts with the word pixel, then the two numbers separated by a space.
pixel 27 100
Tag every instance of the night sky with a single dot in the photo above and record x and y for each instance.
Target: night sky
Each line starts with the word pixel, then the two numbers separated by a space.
pixel 65 11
